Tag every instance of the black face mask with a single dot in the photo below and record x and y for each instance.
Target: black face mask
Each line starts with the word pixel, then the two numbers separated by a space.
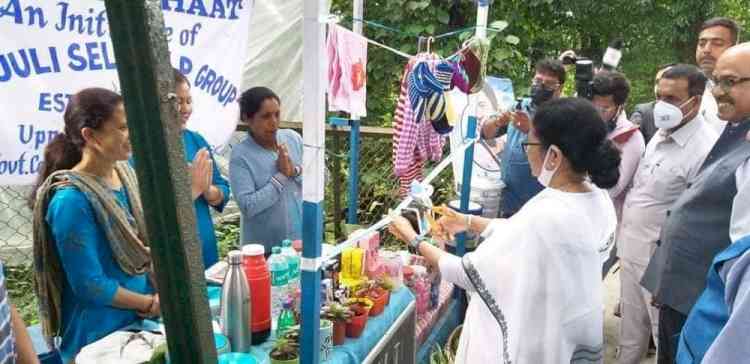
pixel 612 122
pixel 540 95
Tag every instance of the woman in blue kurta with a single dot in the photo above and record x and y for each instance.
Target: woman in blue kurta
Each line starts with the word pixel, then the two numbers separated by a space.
pixel 91 261
pixel 266 172
pixel 209 188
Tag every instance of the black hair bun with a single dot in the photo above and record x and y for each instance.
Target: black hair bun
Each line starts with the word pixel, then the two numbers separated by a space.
pixel 603 165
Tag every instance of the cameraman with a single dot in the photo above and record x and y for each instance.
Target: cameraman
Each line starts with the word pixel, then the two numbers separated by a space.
pixel 520 185
pixel 610 92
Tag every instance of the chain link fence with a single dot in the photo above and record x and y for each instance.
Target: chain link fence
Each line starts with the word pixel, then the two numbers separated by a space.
pixel 378 186
pixel 378 192
pixel 15 225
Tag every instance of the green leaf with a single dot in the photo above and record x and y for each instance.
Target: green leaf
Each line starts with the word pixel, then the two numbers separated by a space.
pixel 502 54
pixel 499 25
pixel 430 29
pixel 443 17
pixel 512 39
pixel 412 5
pixel 413 29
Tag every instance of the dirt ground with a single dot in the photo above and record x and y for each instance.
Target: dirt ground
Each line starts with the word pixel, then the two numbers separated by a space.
pixel 612 323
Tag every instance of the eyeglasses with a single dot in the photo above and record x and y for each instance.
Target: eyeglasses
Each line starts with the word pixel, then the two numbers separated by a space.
pixel 605 110
pixel 726 84
pixel 525 146
pixel 548 85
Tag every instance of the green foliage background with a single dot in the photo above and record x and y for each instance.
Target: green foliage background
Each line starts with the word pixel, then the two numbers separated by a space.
pixel 655 32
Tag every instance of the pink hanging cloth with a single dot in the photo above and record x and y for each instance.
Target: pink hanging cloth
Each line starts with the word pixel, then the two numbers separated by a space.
pixel 347 71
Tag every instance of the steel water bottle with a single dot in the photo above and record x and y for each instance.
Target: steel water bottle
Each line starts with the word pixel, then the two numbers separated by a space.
pixel 235 305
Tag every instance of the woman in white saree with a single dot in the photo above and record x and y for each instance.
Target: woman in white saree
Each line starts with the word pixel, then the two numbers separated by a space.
pixel 535 282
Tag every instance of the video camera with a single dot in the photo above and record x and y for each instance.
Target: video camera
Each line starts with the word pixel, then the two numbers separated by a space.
pixel 585 68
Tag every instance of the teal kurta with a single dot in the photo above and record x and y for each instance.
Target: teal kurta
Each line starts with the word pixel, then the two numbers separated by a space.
pixel 92 276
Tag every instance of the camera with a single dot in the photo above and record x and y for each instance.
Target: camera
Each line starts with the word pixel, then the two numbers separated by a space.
pixel 585 67
pixel 584 78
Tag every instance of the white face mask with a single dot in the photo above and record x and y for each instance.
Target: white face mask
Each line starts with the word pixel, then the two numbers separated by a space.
pixel 545 175
pixel 668 116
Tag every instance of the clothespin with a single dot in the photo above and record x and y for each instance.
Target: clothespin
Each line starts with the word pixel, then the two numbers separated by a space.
pixel 420 42
pixel 331 19
pixel 429 44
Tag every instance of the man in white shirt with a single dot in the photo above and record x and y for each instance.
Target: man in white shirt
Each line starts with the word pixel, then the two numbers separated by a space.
pixel 671 161
pixel 716 36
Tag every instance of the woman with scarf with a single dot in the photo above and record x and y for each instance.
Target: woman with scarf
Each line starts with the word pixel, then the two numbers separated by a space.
pixel 536 293
pixel 91 261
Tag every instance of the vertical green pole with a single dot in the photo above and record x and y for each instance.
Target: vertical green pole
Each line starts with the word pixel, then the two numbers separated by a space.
pixel 337 181
pixel 142 53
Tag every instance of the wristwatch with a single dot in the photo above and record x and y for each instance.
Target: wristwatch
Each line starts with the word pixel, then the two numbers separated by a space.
pixel 414 243
pixel 297 171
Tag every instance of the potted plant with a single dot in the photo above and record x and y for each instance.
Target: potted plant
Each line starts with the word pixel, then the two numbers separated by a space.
pixel 339 315
pixel 388 285
pixel 285 351
pixel 361 309
pixel 378 295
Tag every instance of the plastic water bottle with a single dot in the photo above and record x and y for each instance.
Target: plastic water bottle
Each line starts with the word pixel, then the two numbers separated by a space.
pixel 279 270
pixel 286 319
pixel 292 260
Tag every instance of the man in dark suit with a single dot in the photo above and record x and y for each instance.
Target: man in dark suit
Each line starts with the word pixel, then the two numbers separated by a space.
pixel 643 115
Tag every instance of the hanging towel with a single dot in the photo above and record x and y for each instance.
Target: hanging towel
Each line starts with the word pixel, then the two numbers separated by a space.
pixel 347 71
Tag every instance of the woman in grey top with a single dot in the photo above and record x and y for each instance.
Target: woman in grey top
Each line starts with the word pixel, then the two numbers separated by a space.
pixel 265 172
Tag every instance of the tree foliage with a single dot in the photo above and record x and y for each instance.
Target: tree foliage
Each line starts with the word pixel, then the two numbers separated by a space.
pixel 655 32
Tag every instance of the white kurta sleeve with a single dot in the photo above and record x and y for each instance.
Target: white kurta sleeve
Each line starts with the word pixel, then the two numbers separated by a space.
pixel 452 270
pixel 739 226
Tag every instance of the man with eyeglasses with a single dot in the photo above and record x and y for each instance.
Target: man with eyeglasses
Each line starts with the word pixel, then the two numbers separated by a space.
pixel 610 92
pixel 520 185
pixel 672 159
pixel 710 214
pixel 716 36
pixel 716 329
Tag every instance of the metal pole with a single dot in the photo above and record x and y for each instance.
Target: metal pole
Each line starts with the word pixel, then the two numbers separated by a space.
pixel 137 31
pixel 354 149
pixel 358 12
pixel 483 8
pixel 466 182
pixel 313 133
pixel 354 137
pixel 336 175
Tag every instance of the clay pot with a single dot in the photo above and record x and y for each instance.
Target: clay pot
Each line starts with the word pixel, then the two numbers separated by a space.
pixel 379 300
pixel 356 325
pixel 339 332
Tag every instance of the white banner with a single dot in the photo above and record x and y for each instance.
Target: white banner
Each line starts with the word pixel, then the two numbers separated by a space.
pixel 49 50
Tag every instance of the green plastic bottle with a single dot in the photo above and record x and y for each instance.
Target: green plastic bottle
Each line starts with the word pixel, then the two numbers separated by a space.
pixel 286 319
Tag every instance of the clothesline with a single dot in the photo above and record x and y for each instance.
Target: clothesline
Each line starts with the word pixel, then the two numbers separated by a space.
pixel 336 19
pixel 439 36
pixel 403 54
pixel 385 221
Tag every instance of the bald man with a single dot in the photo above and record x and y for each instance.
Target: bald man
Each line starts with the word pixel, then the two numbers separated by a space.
pixel 717 327
pixel 710 214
